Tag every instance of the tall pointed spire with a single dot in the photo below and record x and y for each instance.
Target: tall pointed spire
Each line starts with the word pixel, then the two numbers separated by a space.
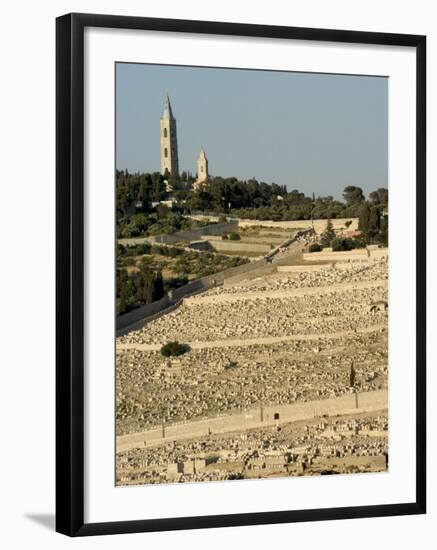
pixel 169 143
pixel 168 113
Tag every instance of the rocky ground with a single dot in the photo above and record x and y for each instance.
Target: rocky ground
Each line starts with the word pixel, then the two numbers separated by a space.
pixel 348 444
pixel 218 380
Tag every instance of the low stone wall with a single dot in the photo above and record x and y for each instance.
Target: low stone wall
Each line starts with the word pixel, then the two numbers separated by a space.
pixel 302 268
pixel 328 255
pixel 339 224
pixel 238 246
pixel 192 288
pixel 319 225
pixel 284 245
pixel 247 239
pixel 251 418
pixel 142 312
pixel 199 245
pixel 251 267
pixel 196 233
pixel 378 253
pixel 356 255
pixel 259 268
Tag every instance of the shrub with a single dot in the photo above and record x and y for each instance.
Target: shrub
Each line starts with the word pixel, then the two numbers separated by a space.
pixel 315 247
pixel 234 236
pixel 127 261
pixel 173 349
pixel 238 475
pixel 145 262
pixel 343 244
pixel 359 242
pixel 175 282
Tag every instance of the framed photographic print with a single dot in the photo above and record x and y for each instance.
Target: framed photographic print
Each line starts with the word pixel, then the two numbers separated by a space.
pixel 240 274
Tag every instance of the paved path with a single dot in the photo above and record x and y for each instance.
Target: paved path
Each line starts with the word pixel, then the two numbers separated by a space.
pixel 249 419
pixel 266 340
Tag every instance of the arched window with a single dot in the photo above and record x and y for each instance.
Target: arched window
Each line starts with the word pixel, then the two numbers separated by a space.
pixel 165 132
pixel 165 152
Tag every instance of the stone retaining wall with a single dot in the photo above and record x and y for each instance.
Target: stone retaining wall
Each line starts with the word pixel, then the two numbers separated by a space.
pixel 251 418
pixel 224 246
pixel 319 225
pixel 247 239
pixel 142 312
pixel 302 268
pixel 339 224
pixel 356 255
pixel 196 233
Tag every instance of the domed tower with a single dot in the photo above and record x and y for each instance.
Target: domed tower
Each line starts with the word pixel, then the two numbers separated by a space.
pixel 169 141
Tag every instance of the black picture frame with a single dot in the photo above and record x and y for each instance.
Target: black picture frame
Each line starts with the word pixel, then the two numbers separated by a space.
pixel 70 273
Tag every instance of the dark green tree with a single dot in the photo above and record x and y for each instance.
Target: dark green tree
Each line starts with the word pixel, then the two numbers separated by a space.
pixel 328 234
pixel 122 302
pixel 162 210
pixel 364 218
pixel 148 286
pixel 353 195
pixel 352 376
pixel 342 244
pixel 383 231
pixel 374 223
pixel 158 286
pixel 158 187
pixel 380 196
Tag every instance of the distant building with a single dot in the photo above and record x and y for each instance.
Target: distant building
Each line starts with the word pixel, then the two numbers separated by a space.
pixel 169 141
pixel 202 169
pixel 352 233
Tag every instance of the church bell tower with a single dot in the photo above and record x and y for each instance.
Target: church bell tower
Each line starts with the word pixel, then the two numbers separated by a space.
pixel 202 169
pixel 169 142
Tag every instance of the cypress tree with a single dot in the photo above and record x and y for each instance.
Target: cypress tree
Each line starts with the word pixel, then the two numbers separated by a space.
pixel 328 234
pixel 122 302
pixel 374 222
pixel 364 218
pixel 148 287
pixel 383 230
pixel 352 376
pixel 158 286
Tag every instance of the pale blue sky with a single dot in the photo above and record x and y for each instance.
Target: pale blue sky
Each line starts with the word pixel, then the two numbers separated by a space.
pixel 312 132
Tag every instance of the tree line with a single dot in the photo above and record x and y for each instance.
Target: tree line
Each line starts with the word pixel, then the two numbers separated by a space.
pixel 242 198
